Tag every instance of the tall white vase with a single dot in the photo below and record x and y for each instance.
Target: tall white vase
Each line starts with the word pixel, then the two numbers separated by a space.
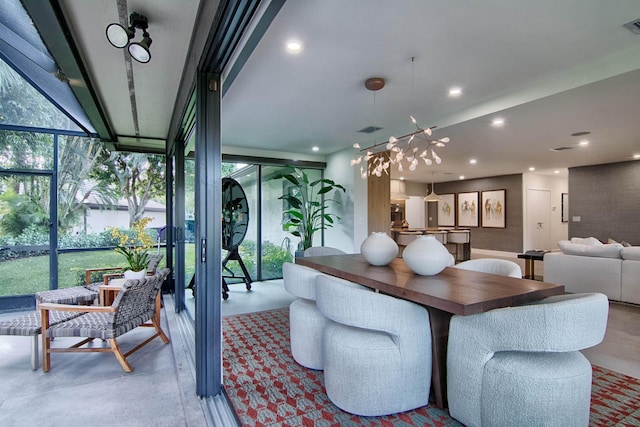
pixel 379 249
pixel 426 256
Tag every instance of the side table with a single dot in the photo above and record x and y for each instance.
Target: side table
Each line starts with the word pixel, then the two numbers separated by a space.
pixel 530 257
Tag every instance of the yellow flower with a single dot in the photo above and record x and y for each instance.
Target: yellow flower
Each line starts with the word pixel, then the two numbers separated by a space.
pixel 134 248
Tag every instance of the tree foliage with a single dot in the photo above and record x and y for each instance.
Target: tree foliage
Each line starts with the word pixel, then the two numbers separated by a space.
pixel 87 171
pixel 141 178
pixel 18 212
pixel 78 160
pixel 21 104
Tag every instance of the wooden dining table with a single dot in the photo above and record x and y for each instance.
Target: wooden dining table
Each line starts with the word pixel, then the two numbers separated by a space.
pixel 453 291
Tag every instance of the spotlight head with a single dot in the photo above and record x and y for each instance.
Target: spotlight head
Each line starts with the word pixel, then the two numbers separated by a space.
pixel 140 50
pixel 118 35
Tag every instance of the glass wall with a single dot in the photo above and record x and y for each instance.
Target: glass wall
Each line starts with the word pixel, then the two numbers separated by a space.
pixel 24 233
pixel 189 231
pixel 99 191
pixel 61 193
pixel 265 236
pixel 26 169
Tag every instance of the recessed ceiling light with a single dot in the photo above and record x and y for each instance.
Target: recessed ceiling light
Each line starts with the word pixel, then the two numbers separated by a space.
pixel 532 168
pixel 294 46
pixel 461 176
pixel 314 148
pixel 455 91
pixel 498 121
pixel 556 171
pixel 402 178
pixel 473 161
pixel 636 156
pixel 584 143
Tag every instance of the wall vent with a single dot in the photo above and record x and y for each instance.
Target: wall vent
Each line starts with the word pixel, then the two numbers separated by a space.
pixel 369 129
pixel 633 26
pixel 561 148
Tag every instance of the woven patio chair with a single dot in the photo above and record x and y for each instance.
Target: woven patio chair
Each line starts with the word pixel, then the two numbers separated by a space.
pixel 87 293
pixel 133 307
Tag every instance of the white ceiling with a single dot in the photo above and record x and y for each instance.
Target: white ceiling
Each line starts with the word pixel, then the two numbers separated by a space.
pixel 549 68
pixel 155 84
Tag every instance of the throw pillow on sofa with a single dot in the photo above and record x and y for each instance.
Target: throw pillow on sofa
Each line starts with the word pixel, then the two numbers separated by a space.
pixel 591 241
pixel 603 250
pixel 623 243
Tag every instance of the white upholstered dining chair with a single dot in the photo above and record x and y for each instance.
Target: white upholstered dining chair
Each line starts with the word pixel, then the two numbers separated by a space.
pixel 306 323
pixel 377 349
pixel 502 267
pixel 522 365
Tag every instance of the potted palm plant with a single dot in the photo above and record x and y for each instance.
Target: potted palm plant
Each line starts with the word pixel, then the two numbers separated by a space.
pixel 306 212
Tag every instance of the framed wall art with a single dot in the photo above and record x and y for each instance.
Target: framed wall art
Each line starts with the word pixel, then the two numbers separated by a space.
pixel 447 210
pixel 468 209
pixel 493 209
pixel 565 207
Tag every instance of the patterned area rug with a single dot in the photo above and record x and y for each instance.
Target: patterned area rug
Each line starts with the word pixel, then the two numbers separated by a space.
pixel 268 388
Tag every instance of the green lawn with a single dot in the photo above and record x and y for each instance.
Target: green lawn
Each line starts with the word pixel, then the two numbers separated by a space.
pixel 29 275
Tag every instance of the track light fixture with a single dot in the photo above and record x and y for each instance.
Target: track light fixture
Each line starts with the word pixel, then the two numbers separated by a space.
pixel 121 37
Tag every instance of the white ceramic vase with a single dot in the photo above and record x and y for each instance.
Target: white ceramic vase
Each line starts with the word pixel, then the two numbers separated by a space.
pixel 134 275
pixel 379 249
pixel 426 256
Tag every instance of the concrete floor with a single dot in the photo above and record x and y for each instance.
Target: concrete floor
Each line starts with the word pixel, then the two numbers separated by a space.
pixel 262 296
pixel 92 389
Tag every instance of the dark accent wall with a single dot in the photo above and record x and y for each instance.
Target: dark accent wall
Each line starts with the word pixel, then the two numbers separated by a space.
pixel 607 200
pixel 507 239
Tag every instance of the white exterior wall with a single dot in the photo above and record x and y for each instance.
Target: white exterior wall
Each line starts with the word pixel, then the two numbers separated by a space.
pixel 98 220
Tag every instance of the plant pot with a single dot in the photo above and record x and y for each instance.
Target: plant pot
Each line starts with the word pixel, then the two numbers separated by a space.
pixel 379 249
pixel 426 256
pixel 134 275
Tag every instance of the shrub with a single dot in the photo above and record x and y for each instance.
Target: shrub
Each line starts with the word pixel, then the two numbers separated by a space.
pixel 272 259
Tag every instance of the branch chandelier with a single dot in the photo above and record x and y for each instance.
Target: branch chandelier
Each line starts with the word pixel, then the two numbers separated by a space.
pixel 410 148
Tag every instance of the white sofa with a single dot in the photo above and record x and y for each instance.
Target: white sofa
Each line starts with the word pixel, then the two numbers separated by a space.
pixel 586 265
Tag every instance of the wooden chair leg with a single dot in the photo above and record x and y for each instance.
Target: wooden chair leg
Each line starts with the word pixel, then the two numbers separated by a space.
pixel 159 331
pixel 115 348
pixel 46 342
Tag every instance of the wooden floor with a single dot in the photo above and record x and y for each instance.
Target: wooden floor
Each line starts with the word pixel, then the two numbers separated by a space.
pixel 620 350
